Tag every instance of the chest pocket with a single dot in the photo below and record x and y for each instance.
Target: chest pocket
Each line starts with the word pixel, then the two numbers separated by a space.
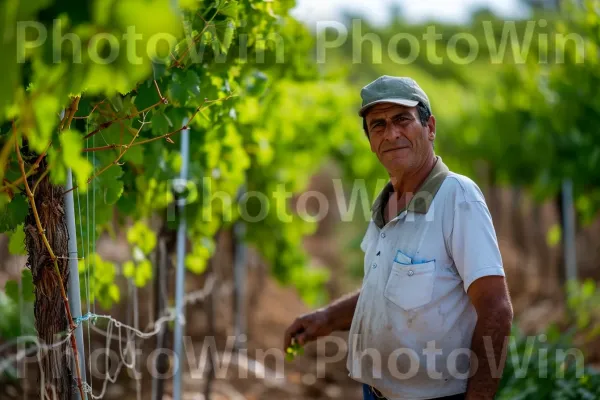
pixel 410 286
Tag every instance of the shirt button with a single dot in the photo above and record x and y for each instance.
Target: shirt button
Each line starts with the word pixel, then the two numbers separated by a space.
pixel 382 235
pixel 411 272
pixel 374 265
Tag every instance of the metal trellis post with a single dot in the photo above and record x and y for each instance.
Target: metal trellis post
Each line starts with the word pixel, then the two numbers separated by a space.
pixel 569 233
pixel 240 274
pixel 74 292
pixel 179 186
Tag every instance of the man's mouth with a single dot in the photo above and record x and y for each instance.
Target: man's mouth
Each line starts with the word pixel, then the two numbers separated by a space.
pixel 395 148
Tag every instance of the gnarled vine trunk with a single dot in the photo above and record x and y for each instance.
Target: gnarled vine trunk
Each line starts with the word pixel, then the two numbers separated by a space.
pixel 49 309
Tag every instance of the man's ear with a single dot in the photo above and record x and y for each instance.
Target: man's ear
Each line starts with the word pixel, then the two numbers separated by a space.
pixel 431 126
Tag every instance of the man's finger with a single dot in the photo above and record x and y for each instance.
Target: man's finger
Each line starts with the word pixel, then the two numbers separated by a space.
pixel 302 338
pixel 307 335
pixel 291 332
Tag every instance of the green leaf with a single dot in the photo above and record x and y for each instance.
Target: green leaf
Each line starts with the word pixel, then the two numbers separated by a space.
pixel 230 9
pixel 189 5
pixel 177 92
pixel 4 200
pixel 58 172
pixel 12 291
pixel 224 31
pixel 127 203
pixel 184 86
pixel 134 155
pixel 46 109
pixel 117 103
pixel 27 285
pixel 14 213
pixel 27 289
pixel 111 185
pixel 146 95
pixel 11 71
pixel 159 69
pixel 191 81
pixel 72 144
pixel 160 124
pixel 16 242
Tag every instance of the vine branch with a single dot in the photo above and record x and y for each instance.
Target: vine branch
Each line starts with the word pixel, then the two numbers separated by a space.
pixel 116 161
pixel 65 122
pixel 107 124
pixel 53 257
pixel 205 104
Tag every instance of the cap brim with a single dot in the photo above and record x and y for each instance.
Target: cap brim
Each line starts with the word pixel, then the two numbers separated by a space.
pixel 402 102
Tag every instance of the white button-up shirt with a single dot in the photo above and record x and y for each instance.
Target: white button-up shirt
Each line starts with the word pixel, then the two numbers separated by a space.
pixel 412 328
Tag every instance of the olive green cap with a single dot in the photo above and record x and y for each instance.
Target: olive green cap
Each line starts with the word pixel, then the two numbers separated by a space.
pixel 393 89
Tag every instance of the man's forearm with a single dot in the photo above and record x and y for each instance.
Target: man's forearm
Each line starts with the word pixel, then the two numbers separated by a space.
pixel 489 345
pixel 341 312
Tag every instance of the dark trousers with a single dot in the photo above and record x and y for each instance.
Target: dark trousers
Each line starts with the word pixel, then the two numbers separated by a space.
pixel 372 394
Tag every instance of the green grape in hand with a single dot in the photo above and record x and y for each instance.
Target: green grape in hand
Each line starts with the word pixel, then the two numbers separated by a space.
pixel 293 350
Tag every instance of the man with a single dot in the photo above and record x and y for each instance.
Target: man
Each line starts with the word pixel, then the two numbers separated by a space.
pixel 432 315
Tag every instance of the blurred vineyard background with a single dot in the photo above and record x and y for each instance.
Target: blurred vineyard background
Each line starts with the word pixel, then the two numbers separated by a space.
pixel 264 114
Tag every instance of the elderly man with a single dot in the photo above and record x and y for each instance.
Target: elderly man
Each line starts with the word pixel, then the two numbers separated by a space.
pixel 432 315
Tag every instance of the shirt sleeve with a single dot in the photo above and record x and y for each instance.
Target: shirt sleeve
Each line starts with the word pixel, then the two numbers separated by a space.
pixel 473 242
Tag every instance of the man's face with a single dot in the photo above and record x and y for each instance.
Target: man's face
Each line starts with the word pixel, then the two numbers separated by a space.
pixel 397 137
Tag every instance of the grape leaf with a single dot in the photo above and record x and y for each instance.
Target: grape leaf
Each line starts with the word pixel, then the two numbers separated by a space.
pixel 134 154
pixel 46 108
pixel 160 124
pixel 4 200
pixel 177 92
pixel 183 85
pixel 27 285
pixel 12 290
pixel 230 9
pixel 159 69
pixel 112 186
pixel 16 241
pixel 27 289
pixel 127 203
pixel 10 73
pixel 146 95
pixel 72 144
pixel 58 172
pixel 191 81
pixel 14 213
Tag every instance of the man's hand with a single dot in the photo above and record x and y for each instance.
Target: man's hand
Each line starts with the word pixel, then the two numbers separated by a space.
pixel 335 317
pixel 308 327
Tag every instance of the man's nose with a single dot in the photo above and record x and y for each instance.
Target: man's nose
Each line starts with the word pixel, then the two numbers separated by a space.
pixel 392 132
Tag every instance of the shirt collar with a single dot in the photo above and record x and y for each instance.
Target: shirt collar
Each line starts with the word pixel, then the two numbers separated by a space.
pixel 422 199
